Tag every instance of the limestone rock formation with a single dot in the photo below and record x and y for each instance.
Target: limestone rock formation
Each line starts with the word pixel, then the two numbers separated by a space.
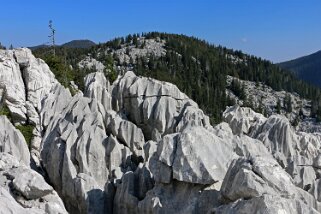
pixel 296 152
pixel 242 119
pixel 142 146
pixel 159 108
pixel 250 187
pixel 36 74
pixel 154 47
pixel 91 63
pixel 13 142
pixel 22 190
pixel 24 82
pixel 98 87
pixel 74 143
pixel 13 92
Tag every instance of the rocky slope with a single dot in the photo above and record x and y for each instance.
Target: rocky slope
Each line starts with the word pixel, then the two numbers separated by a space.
pixel 142 146
pixel 126 54
pixel 262 96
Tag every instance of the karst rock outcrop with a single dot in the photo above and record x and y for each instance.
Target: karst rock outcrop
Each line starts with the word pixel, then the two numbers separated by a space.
pixel 140 145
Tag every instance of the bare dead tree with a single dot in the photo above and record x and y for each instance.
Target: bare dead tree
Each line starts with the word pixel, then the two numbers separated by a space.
pixel 52 37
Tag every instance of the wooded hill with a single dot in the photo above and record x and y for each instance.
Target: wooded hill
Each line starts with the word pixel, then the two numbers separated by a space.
pixel 307 68
pixel 198 68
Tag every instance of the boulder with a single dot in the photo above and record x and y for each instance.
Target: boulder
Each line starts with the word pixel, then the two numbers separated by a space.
pixel 29 183
pixel 24 82
pixel 8 204
pixel 23 190
pixel 201 157
pixel 253 184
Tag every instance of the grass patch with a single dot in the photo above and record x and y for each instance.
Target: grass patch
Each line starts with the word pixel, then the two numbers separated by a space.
pixel 5 111
pixel 26 131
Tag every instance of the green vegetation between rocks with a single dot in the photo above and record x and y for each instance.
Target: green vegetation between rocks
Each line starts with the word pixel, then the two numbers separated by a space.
pixel 4 110
pixel 26 131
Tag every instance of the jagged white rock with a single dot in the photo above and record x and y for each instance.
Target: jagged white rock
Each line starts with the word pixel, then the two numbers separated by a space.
pixel 30 184
pixel 156 107
pixel 242 119
pixel 264 191
pixel 91 63
pixel 129 54
pixel 126 132
pixel 75 139
pixel 23 190
pixel 24 82
pixel 93 150
pixel 36 74
pixel 13 142
pixel 12 86
pixel 201 157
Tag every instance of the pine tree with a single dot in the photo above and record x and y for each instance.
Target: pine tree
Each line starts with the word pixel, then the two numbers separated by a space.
pixel 301 114
pixel 135 41
pixel 2 47
pixel 318 115
pixel 314 108
pixel 278 106
pixel 288 103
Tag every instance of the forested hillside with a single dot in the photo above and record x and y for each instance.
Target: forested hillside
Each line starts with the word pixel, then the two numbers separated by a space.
pixel 307 68
pixel 198 68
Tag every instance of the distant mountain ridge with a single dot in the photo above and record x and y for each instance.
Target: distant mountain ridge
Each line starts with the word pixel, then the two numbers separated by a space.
pixel 80 43
pixel 307 67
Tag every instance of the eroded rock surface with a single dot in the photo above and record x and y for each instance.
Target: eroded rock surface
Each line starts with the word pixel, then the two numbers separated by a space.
pixel 159 108
pixel 25 190
pixel 13 142
pixel 142 146
pixel 251 187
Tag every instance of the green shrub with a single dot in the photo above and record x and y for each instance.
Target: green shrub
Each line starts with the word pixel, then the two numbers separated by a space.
pixel 111 75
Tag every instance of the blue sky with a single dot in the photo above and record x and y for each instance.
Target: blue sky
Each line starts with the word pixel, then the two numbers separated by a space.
pixel 277 30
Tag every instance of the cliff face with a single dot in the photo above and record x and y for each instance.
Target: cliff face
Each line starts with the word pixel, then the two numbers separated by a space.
pixel 142 146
